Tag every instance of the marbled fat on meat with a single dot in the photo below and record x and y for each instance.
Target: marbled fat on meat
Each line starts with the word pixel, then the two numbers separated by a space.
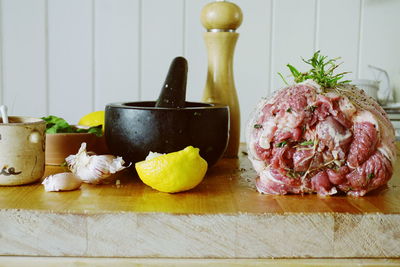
pixel 305 140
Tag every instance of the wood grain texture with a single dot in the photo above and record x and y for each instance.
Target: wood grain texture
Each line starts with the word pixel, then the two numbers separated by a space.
pixel 220 86
pixel 10 261
pixel 224 217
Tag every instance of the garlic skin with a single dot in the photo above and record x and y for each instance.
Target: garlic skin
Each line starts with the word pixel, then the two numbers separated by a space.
pixel 153 155
pixel 93 169
pixel 65 181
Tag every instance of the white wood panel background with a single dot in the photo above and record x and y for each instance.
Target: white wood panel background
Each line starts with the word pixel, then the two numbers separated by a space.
pixel 70 57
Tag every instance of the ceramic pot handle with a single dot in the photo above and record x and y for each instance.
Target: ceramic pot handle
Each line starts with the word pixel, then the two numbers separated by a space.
pixel 35 137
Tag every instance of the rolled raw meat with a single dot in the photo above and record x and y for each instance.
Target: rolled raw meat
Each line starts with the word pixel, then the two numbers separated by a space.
pixel 307 138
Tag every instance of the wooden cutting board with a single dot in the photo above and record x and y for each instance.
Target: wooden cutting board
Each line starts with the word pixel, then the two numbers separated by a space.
pixel 224 217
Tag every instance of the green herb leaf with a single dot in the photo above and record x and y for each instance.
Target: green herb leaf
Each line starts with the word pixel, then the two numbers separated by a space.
pixel 294 71
pixel 290 173
pixel 370 175
pixel 322 71
pixel 289 110
pixel 281 144
pixel 311 108
pixel 97 130
pixel 257 126
pixel 56 124
pixel 307 143
pixel 283 78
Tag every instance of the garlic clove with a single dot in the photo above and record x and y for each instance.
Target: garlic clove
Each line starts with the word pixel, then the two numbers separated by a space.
pixel 116 164
pixel 65 181
pixel 94 169
pixel 82 157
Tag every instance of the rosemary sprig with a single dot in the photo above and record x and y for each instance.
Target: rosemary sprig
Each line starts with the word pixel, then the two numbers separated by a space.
pixel 307 143
pixel 283 78
pixel 311 108
pixel 281 144
pixel 292 174
pixel 370 176
pixel 322 71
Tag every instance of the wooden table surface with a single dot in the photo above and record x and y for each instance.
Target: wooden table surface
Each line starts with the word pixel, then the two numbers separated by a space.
pixel 224 217
pixel 227 188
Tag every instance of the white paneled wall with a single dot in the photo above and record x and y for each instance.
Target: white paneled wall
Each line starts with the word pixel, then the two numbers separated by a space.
pixel 116 57
pixel 24 56
pixel 70 57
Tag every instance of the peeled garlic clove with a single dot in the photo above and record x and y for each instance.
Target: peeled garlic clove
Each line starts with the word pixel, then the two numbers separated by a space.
pixel 65 181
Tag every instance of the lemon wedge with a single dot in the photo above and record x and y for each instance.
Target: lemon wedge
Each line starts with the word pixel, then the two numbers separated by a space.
pixel 174 172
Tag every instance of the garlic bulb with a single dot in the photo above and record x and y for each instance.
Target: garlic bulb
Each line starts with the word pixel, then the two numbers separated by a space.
pixel 65 181
pixel 93 169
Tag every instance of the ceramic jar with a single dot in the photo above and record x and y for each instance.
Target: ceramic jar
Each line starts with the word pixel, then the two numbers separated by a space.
pixel 22 150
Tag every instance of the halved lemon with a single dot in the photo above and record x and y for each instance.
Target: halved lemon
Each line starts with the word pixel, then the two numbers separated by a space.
pixel 174 172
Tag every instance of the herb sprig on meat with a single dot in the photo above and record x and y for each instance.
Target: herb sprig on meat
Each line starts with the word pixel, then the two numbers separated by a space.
pixel 322 71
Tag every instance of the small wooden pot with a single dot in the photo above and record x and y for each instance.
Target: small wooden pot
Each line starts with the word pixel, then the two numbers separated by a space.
pixel 61 145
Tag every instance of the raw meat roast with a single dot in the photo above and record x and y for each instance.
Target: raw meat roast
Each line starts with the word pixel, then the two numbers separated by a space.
pixel 308 139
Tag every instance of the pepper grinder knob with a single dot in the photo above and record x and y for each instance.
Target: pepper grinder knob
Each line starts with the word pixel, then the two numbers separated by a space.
pixel 221 16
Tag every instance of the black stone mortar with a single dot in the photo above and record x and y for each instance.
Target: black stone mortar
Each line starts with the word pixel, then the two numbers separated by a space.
pixel 133 129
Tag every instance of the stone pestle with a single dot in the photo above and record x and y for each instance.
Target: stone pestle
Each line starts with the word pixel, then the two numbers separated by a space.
pixel 173 92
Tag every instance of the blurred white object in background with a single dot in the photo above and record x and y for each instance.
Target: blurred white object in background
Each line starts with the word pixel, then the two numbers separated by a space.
pixel 370 87
pixel 393 111
pixel 379 88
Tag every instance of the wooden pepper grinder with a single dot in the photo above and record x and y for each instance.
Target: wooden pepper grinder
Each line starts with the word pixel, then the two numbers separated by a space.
pixel 221 19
